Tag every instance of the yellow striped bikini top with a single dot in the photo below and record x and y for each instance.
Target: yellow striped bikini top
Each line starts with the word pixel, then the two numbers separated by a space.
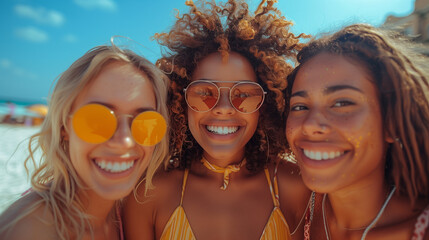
pixel 178 226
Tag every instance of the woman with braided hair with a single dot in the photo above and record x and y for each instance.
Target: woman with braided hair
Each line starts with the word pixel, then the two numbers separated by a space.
pixel 358 119
pixel 228 68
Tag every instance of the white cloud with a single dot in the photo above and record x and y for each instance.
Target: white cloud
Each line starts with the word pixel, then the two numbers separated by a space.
pixel 31 34
pixel 15 70
pixel 101 4
pixel 40 15
pixel 70 38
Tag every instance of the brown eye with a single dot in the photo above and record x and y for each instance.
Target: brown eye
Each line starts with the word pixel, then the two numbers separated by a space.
pixel 343 103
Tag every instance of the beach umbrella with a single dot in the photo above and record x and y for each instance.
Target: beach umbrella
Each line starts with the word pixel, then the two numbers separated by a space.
pixel 40 109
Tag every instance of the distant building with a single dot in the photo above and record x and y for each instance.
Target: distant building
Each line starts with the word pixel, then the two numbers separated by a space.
pixel 414 26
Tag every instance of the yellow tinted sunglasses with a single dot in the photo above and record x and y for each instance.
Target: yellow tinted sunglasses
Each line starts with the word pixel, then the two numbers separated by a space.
pixel 95 123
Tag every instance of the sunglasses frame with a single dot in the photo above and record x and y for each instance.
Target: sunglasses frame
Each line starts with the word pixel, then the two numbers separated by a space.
pixel 219 93
pixel 133 117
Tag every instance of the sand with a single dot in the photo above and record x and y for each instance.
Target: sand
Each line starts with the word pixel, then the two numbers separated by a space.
pixel 13 151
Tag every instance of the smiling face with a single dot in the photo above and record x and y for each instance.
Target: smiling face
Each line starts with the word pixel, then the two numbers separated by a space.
pixel 112 168
pixel 223 132
pixel 335 126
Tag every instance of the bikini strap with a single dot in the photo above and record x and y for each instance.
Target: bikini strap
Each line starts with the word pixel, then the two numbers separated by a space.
pixel 185 178
pixel 273 187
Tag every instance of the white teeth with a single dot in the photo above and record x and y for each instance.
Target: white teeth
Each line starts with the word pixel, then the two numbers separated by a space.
pixel 222 130
pixel 114 167
pixel 316 155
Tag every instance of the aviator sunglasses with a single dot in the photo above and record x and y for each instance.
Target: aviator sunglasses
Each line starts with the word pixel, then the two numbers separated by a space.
pixel 245 97
pixel 95 123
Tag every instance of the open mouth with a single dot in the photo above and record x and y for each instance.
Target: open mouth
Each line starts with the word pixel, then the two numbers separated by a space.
pixel 321 155
pixel 114 167
pixel 222 130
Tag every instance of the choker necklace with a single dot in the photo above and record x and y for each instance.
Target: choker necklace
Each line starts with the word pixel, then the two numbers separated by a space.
pixel 367 228
pixel 226 171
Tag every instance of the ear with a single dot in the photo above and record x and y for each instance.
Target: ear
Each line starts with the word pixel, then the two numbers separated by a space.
pixel 388 138
pixel 64 134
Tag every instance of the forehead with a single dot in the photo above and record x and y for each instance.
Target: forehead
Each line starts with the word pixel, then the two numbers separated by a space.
pixel 234 68
pixel 119 84
pixel 326 69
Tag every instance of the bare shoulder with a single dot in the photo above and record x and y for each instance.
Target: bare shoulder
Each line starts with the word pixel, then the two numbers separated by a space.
pixel 145 212
pixel 290 181
pixel 166 183
pixel 26 218
pixel 402 220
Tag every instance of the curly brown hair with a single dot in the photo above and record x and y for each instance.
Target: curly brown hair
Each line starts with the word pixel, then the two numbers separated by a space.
pixel 263 38
pixel 401 78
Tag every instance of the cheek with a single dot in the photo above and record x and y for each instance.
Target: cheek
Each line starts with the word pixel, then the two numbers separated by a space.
pixel 147 153
pixel 254 119
pixel 291 128
pixel 192 121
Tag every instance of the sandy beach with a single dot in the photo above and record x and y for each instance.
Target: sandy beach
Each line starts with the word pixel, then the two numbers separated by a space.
pixel 13 151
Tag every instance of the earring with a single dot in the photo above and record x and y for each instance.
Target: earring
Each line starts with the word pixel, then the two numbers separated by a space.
pixel 174 161
pixel 289 156
pixel 398 140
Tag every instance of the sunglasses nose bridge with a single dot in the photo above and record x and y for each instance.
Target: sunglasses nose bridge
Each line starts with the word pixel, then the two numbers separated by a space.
pixel 123 136
pixel 224 104
pixel 224 93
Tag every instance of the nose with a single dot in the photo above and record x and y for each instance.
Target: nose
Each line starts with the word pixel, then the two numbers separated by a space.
pixel 315 123
pixel 122 138
pixel 223 106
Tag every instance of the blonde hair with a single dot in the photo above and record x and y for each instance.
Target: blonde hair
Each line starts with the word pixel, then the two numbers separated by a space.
pixel 55 180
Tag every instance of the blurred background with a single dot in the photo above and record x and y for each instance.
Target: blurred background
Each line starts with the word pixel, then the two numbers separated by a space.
pixel 41 38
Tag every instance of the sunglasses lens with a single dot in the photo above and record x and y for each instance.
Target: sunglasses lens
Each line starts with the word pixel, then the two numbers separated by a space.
pixel 202 96
pixel 247 97
pixel 148 128
pixel 94 123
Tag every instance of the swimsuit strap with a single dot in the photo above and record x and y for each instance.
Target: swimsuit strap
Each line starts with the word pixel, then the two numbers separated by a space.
pixel 273 190
pixel 185 178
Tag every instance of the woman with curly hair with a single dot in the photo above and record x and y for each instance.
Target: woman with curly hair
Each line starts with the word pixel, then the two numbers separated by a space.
pixel 358 122
pixel 103 130
pixel 226 180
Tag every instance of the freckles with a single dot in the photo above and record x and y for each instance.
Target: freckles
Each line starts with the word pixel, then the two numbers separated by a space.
pixel 356 143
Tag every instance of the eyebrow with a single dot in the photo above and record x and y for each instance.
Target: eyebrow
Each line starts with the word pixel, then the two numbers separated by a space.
pixel 219 81
pixel 113 108
pixel 328 90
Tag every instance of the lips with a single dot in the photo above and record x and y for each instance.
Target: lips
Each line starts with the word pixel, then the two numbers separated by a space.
pixel 322 155
pixel 222 130
pixel 114 167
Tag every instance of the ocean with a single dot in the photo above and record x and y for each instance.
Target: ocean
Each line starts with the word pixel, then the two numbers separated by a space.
pixel 13 151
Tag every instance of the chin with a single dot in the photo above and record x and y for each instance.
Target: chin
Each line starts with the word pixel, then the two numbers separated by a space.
pixel 319 184
pixel 114 192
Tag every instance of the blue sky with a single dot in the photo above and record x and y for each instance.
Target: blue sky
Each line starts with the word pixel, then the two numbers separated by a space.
pixel 41 38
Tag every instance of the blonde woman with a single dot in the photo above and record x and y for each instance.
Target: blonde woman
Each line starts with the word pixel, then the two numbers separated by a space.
pixel 105 127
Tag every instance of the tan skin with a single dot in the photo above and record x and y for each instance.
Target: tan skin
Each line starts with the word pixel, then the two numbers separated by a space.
pixel 126 90
pixel 335 111
pixel 243 209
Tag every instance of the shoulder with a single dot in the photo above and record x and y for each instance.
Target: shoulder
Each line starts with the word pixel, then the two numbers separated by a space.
pixel 290 181
pixel 165 184
pixel 144 212
pixel 293 194
pixel 26 218
pixel 404 221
